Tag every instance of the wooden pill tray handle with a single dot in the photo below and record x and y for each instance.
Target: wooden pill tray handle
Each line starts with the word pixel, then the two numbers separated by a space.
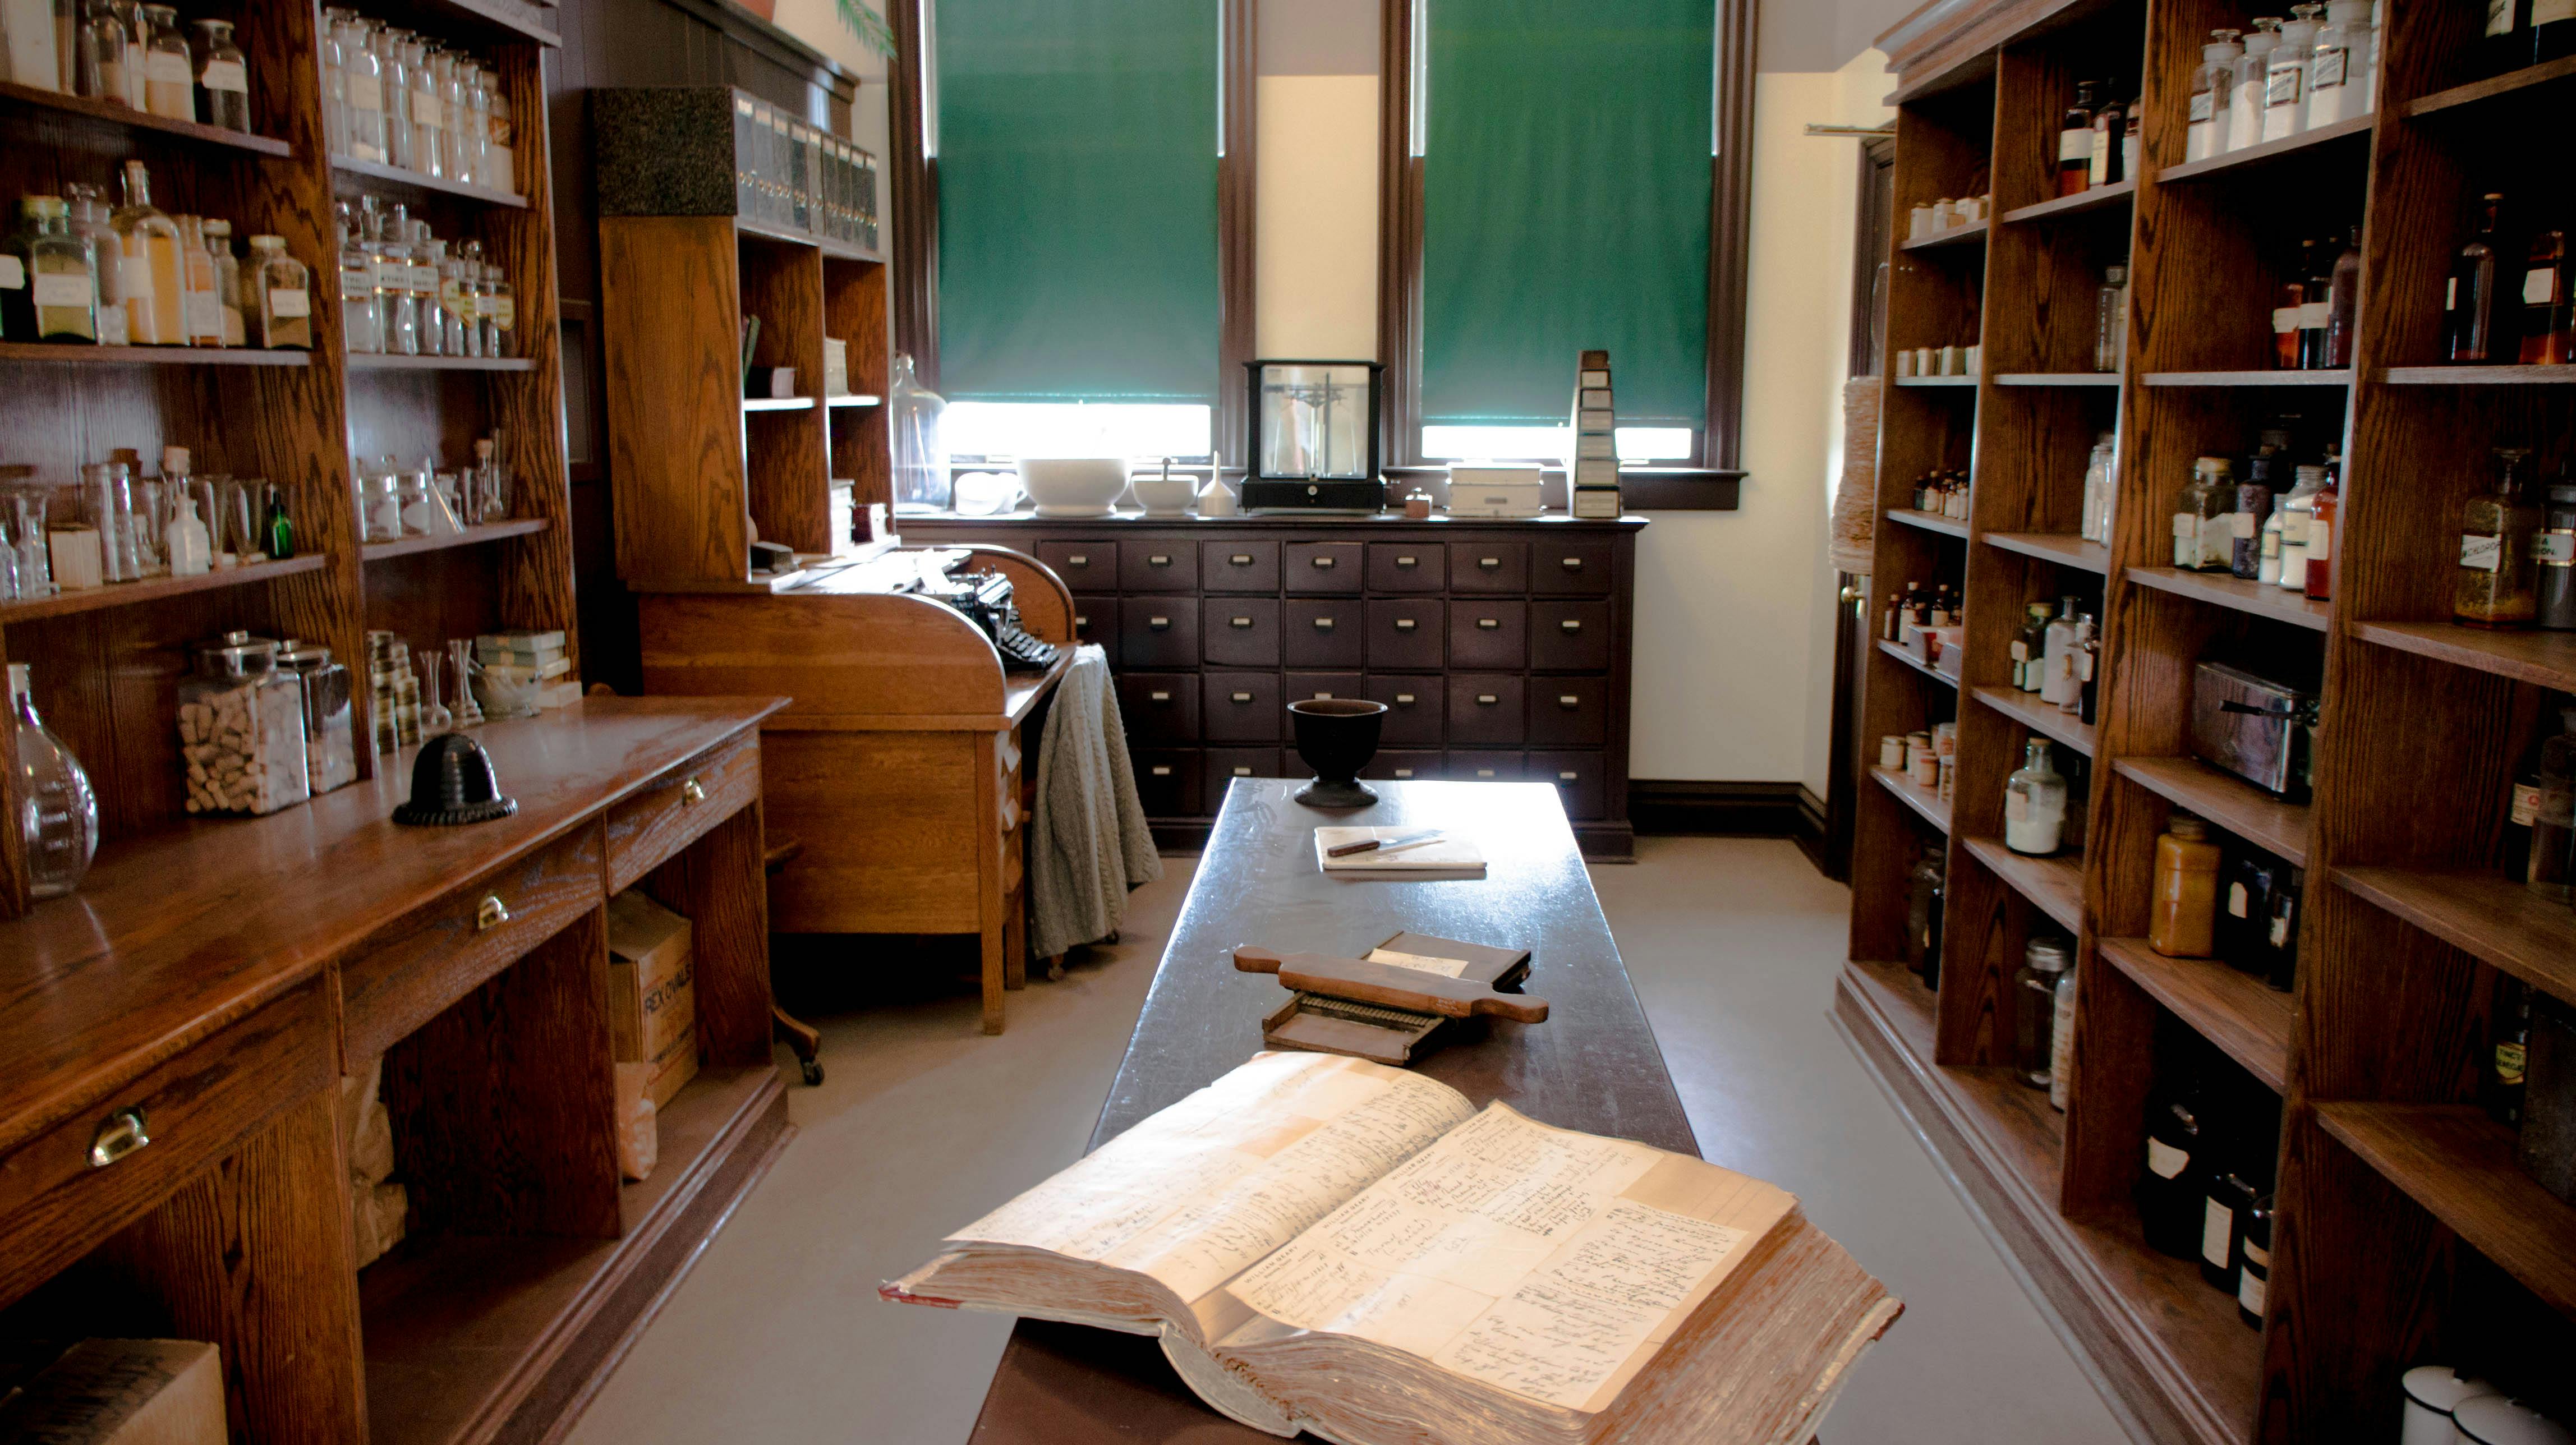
pixel 1361 981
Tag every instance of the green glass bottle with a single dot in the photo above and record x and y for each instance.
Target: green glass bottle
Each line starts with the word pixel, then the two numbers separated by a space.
pixel 278 530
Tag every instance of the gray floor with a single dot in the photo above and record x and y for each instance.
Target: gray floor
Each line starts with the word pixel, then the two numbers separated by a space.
pixel 923 1123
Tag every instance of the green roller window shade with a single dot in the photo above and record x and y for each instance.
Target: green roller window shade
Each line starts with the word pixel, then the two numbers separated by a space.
pixel 1565 200
pixel 1077 200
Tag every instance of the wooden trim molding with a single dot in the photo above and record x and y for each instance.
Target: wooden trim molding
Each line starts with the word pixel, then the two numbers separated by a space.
pixel 1399 240
pixel 1237 225
pixel 1730 228
pixel 912 195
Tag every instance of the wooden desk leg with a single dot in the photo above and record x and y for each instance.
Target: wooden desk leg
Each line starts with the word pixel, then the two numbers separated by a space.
pixel 254 1256
pixel 988 877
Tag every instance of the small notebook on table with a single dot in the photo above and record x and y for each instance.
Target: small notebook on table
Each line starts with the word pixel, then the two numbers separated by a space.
pixel 1448 856
pixel 1329 1245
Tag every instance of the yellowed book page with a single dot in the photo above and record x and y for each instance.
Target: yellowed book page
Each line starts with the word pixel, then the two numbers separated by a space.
pixel 1420 962
pixel 1196 1193
pixel 1538 1260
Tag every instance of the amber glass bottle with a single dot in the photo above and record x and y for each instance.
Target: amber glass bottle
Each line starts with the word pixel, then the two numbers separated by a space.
pixel 2498 581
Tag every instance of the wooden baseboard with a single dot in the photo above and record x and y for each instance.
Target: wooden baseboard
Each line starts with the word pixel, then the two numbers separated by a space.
pixel 1730 810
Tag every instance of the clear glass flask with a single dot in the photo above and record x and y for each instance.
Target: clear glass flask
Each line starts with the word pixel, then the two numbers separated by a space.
pixel 920 456
pixel 57 811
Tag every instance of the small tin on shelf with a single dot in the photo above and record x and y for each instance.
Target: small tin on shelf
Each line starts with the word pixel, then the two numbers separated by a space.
pixel 1314 443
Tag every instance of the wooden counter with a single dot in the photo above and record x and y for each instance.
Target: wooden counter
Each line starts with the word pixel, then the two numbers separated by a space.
pixel 209 985
pixel 1593 1065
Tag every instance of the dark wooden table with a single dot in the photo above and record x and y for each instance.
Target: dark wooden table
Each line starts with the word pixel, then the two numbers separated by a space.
pixel 1592 1066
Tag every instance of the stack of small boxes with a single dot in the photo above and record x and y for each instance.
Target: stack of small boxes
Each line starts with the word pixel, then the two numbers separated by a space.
pixel 1593 471
pixel 511 662
pixel 395 689
pixel 653 1019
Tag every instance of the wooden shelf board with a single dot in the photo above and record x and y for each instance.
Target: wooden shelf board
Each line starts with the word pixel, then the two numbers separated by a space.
pixel 2481 912
pixel 1928 521
pixel 462 1330
pixel 2117 193
pixel 498 19
pixel 777 403
pixel 471 536
pixel 2248 1020
pixel 2044 718
pixel 832 250
pixel 2471 101
pixel 385 175
pixel 2226 800
pixel 1955 236
pixel 2254 157
pixel 2108 380
pixel 2262 599
pixel 2478 375
pixel 126 594
pixel 2459 1164
pixel 853 399
pixel 2055 886
pixel 1907 658
pixel 2066 549
pixel 2001 1145
pixel 1969 382
pixel 368 361
pixel 29 100
pixel 2543 659
pixel 1927 803
pixel 2338 377
pixel 41 351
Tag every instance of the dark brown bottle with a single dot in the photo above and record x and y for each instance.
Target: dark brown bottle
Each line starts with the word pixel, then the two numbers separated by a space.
pixel 2512 1029
pixel 2075 143
pixel 2343 296
pixel 2222 1230
pixel 2316 264
pixel 2548 323
pixel 2110 135
pixel 2173 1188
pixel 2470 314
pixel 2254 1272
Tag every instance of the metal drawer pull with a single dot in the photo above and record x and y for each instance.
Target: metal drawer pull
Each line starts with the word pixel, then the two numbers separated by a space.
pixel 119 1134
pixel 1404 624
pixel 1404 772
pixel 1162 771
pixel 1243 697
pixel 1160 696
pixel 1571 625
pixel 1243 622
pixel 1490 564
pixel 1323 624
pixel 1568 700
pixel 1077 561
pixel 1243 772
pixel 1489 623
pixel 1158 560
pixel 1573 564
pixel 1241 559
pixel 1486 699
pixel 1323 697
pixel 491 913
pixel 1567 778
pixel 1404 699
pixel 1484 772
pixel 1081 621
pixel 1324 562
pixel 1408 561
pixel 692 792
pixel 1159 624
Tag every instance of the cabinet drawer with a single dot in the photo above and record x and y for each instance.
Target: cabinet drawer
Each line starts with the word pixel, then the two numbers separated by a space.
pixel 1160 707
pixel 1406 635
pixel 1312 686
pixel 1493 634
pixel 1569 712
pixel 56 1204
pixel 1243 566
pixel 677 808
pixel 1239 631
pixel 1570 569
pixel 1404 765
pixel 1323 568
pixel 1570 636
pixel 1407 567
pixel 1084 566
pixel 1489 566
pixel 1158 631
pixel 1485 711
pixel 1095 619
pixel 1158 566
pixel 1478 767
pixel 411 971
pixel 1224 765
pixel 1413 706
pixel 1240 707
pixel 1578 780
pixel 1167 781
pixel 1324 634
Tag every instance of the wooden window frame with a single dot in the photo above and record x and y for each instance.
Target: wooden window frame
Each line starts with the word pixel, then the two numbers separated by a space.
pixel 912 179
pixel 1712 479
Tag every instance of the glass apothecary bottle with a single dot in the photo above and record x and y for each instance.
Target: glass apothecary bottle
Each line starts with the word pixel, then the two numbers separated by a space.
pixel 2061 1056
pixel 2339 64
pixel 361 314
pixel 228 292
pixel 222 76
pixel 1925 889
pixel 335 83
pixel 2035 804
pixel 2253 72
pixel 169 72
pixel 58 303
pixel 394 54
pixel 499 309
pixel 149 273
pixel 2548 317
pixel 2555 550
pixel 2182 917
pixel 2111 319
pixel 282 292
pixel 2203 532
pixel 2044 961
pixel 97 236
pixel 2469 304
pixel 2213 91
pixel 364 83
pixel 428 110
pixel 920 455
pixel 2285 77
pixel 241 729
pixel 2550 866
pixel 2498 580
pixel 57 812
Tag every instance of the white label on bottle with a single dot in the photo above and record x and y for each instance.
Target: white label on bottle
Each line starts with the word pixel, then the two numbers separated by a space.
pixel 505 312
pixel 2164 1160
pixel 2540 286
pixel 2550 12
pixel 229 75
pixel 2482 554
pixel 2237 899
pixel 2284 318
pixel 2451 294
pixel 2020 650
pixel 2328 67
pixel 2282 84
pixel 2294 528
pixel 2499 17
pixel 204 313
pixel 428 110
pixel 423 280
pixel 285 304
pixel 2217 1233
pixel 2186 538
pixel 366 92
pixel 2016 806
pixel 2320 545
pixel 2074 145
pixel 2553 548
pixel 2241 526
pixel 357 283
pixel 2526 804
pixel 2204 106
pixel 166 67
pixel 56 288
pixel 2315 315
pixel 13 274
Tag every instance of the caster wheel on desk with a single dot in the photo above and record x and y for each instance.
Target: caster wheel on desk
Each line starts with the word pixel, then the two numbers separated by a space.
pixel 813 1070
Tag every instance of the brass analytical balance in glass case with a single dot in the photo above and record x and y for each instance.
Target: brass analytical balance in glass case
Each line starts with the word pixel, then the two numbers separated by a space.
pixel 1314 437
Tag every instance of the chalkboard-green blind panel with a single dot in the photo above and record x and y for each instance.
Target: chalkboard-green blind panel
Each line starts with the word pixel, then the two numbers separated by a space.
pixel 1077 200
pixel 1565 200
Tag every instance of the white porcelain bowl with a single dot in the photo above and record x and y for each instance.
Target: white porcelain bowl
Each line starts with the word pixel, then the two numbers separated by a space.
pixel 1162 496
pixel 1073 486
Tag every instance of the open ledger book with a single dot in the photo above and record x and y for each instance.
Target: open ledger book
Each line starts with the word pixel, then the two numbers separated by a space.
pixel 1330 1245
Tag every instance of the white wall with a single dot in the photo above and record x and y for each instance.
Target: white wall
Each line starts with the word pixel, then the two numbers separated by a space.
pixel 1315 207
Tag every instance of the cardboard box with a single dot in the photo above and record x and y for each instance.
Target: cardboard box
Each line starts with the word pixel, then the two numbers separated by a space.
pixel 1495 492
pixel 652 994
pixel 639 1131
pixel 122 1392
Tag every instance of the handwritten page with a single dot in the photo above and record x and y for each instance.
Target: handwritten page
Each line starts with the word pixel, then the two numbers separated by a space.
pixel 1544 1262
pixel 1201 1190
pixel 1424 963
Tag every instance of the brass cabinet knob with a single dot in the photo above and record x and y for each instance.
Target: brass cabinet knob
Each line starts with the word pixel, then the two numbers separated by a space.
pixel 1573 564
pixel 1324 562
pixel 1243 622
pixel 1323 624
pixel 1486 699
pixel 1571 625
pixel 491 913
pixel 1158 624
pixel 118 1135
pixel 1077 561
pixel 1490 564
pixel 692 792
pixel 1243 697
pixel 1568 701
pixel 1489 623
pixel 1404 624
pixel 1158 560
pixel 1162 770
pixel 1404 699
pixel 1408 561
pixel 1159 696
pixel 1241 559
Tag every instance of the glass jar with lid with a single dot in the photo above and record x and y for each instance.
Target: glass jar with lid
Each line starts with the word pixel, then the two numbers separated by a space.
pixel 330 721
pixel 428 108
pixel 241 730
pixel 395 52
pixel 222 76
pixel 57 811
pixel 335 83
pixel 2203 531
pixel 169 72
pixel 363 74
pixel 2035 804
pixel 2043 961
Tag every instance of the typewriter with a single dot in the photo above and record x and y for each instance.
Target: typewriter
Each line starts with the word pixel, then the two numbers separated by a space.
pixel 985 598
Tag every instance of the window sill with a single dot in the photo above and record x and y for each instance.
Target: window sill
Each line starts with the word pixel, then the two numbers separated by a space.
pixel 1641 489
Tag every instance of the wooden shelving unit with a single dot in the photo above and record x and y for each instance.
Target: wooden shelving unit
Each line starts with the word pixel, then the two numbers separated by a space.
pixel 1929 522
pixel 420 183
pixel 157 589
pixel 1969 382
pixel 470 537
pixel 73 111
pixel 46 353
pixel 1927 803
pixel 364 361
pixel 1972 233
pixel 2387 1180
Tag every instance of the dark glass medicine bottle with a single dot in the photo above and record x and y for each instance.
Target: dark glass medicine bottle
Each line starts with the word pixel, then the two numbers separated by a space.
pixel 2469 306
pixel 2075 143
pixel 2172 1191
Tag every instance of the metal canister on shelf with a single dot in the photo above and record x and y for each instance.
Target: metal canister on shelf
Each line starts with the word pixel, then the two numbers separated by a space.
pixel 330 724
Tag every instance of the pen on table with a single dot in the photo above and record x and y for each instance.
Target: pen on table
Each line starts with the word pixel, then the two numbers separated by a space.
pixel 1380 845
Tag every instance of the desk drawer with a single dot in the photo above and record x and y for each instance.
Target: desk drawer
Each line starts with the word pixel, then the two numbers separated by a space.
pixel 1569 712
pixel 1485 711
pixel 56 1205
pixel 1489 635
pixel 1224 765
pixel 1158 631
pixel 1324 568
pixel 1095 620
pixel 1240 566
pixel 1407 567
pixel 677 808
pixel 1489 567
pixel 1413 707
pixel 1312 686
pixel 1084 566
pixel 1158 567
pixel 1578 782
pixel 1160 707
pixel 1405 765
pixel 1570 569
pixel 1239 631
pixel 1240 707
pixel 1405 636
pixel 1570 636
pixel 1167 782
pixel 1474 767
pixel 410 972
pixel 1325 633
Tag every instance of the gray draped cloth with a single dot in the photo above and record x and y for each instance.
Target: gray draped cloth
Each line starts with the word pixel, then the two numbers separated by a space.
pixel 1088 843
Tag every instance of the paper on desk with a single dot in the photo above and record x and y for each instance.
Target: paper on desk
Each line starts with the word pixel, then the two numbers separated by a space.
pixel 1448 854
pixel 1445 967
